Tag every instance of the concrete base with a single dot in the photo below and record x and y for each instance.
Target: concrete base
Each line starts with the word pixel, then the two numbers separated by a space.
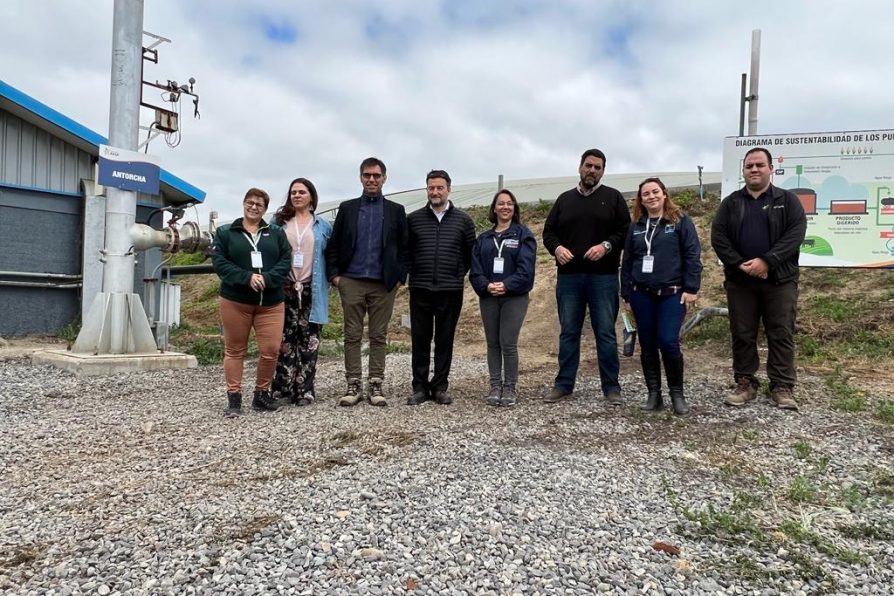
pixel 112 364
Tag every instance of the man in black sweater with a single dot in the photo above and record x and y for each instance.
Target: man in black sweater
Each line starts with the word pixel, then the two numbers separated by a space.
pixel 440 242
pixel 585 232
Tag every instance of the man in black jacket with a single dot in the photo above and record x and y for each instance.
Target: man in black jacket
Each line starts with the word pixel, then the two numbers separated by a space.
pixel 441 240
pixel 757 234
pixel 366 259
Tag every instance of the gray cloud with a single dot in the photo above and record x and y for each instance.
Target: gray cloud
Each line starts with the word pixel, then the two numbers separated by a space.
pixel 518 88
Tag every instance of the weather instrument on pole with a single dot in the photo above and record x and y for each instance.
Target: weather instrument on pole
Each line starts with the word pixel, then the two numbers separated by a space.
pixel 167 118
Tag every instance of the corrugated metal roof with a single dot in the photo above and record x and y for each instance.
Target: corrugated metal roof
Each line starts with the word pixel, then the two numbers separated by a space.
pixel 30 110
pixel 531 190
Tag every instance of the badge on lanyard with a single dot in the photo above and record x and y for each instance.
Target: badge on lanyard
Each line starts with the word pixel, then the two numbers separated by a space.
pixel 297 259
pixel 498 264
pixel 257 260
pixel 648 263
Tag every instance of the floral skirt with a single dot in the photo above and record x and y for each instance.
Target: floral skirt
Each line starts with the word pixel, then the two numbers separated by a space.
pixel 296 366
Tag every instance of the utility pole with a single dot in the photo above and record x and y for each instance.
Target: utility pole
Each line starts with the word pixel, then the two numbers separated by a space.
pixel 753 83
pixel 751 98
pixel 116 322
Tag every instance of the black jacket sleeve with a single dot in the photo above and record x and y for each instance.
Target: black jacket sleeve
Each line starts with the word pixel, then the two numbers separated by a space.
pixel 721 239
pixel 788 246
pixel 403 248
pixel 334 244
pixel 468 242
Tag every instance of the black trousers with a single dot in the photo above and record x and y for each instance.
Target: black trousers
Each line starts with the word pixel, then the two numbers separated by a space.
pixel 750 304
pixel 433 315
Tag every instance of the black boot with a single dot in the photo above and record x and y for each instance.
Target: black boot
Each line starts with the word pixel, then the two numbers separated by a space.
pixel 234 405
pixel 652 374
pixel 264 401
pixel 673 368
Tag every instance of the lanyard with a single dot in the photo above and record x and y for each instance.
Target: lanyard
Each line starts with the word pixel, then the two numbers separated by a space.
pixel 252 241
pixel 299 232
pixel 499 247
pixel 648 238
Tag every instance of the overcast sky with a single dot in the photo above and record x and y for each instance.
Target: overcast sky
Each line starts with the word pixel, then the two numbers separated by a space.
pixel 475 87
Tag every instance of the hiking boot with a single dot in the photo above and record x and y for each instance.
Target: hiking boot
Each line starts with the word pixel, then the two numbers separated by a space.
pixel 263 401
pixel 352 394
pixel 782 396
pixel 376 395
pixel 613 398
pixel 557 394
pixel 510 396
pixel 744 392
pixel 441 397
pixel 494 397
pixel 234 405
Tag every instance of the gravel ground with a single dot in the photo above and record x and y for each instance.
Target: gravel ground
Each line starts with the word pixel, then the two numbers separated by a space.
pixel 136 484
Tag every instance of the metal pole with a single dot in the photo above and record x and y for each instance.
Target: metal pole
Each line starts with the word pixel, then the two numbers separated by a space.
pixel 116 322
pixel 701 187
pixel 500 182
pixel 124 130
pixel 755 77
pixel 742 99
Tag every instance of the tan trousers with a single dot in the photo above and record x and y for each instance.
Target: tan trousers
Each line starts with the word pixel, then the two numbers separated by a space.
pixel 237 320
pixel 360 297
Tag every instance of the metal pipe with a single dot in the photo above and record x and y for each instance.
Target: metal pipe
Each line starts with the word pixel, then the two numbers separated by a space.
pixel 742 99
pixel 711 311
pixel 40 275
pixel 188 269
pixel 38 284
pixel 755 76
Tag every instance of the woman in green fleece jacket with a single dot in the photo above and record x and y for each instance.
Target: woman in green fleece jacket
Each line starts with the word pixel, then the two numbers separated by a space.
pixel 252 259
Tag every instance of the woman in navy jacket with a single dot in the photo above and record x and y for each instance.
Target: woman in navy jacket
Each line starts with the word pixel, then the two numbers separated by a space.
pixel 660 278
pixel 502 275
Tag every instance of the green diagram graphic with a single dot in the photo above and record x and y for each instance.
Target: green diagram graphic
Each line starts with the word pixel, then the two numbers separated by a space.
pixel 815 245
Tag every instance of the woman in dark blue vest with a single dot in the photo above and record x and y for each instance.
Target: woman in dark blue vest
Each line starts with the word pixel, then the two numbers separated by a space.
pixel 502 274
pixel 660 278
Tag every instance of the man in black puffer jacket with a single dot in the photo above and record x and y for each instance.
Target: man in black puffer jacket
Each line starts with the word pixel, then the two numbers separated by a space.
pixel 440 242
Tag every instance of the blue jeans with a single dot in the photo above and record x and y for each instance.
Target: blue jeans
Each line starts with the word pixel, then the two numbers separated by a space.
pixel 575 292
pixel 658 322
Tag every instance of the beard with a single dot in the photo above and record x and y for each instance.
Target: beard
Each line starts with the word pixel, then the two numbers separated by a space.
pixel 589 181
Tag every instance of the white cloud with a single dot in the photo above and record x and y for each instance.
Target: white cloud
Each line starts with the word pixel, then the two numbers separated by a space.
pixel 480 89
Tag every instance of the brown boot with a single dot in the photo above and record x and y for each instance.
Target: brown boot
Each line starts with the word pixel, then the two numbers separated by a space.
pixel 352 394
pixel 782 396
pixel 744 392
pixel 376 395
pixel 557 394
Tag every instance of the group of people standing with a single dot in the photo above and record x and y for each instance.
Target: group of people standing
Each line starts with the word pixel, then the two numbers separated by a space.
pixel 275 278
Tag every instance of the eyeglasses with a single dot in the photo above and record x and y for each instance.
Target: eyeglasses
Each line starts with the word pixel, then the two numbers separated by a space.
pixel 253 205
pixel 369 175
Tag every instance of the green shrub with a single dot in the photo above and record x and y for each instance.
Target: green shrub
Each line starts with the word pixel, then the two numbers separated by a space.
pixel 884 411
